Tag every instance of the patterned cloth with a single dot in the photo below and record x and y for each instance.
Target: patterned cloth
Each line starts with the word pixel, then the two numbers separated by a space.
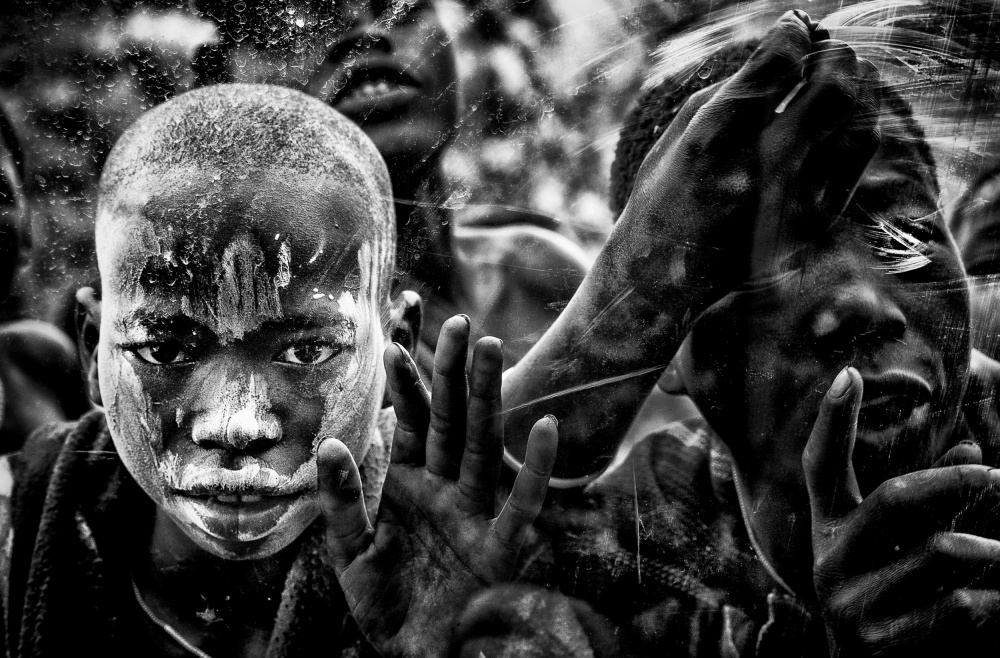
pixel 72 516
pixel 651 559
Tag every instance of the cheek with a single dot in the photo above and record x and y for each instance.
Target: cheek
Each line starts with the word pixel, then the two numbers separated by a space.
pixel 136 426
pixel 352 400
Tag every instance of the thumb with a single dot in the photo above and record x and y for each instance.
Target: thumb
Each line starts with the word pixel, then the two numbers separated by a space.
pixel 830 479
pixel 342 503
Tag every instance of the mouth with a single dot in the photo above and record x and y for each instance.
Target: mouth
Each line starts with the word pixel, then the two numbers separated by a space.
pixel 894 402
pixel 243 516
pixel 376 93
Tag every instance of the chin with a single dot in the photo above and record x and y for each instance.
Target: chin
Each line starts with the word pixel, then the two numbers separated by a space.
pixel 228 542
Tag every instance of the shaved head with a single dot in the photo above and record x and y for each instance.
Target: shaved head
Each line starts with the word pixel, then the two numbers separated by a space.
pixel 246 242
pixel 233 135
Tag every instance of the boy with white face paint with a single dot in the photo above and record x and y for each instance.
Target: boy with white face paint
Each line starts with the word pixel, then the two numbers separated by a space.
pixel 246 239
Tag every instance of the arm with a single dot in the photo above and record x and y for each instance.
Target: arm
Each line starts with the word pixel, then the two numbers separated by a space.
pixel 733 157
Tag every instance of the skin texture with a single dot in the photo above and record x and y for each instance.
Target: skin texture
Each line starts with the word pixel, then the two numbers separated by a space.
pixel 897 557
pixel 695 202
pixel 252 373
pixel 818 283
pixel 437 538
pixel 238 361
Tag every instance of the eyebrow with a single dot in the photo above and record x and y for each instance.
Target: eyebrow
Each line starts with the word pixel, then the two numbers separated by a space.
pixel 154 321
pixel 307 322
pixel 177 324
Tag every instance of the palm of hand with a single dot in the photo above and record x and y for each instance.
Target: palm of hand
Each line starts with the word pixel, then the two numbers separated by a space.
pixel 435 541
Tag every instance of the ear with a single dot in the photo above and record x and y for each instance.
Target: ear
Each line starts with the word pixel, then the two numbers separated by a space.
pixel 88 331
pixel 404 320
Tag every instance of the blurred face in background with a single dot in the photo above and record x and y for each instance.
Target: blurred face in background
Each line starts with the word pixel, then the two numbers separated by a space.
pixel 394 73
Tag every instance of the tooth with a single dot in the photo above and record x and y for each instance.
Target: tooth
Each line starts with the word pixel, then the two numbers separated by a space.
pixel 368 89
pixel 229 499
pixel 252 498
pixel 383 87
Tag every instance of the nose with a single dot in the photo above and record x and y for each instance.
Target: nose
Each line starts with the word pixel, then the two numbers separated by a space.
pixel 240 420
pixel 367 33
pixel 859 315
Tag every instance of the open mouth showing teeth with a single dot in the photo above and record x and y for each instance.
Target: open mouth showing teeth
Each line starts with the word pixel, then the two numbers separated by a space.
pixel 371 90
pixel 376 94
pixel 238 499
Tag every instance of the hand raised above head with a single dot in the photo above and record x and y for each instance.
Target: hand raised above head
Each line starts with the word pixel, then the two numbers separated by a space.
pixel 892 574
pixel 771 152
pixel 437 538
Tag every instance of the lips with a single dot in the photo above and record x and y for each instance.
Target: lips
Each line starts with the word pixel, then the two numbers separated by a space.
pixel 376 93
pixel 240 517
pixel 894 401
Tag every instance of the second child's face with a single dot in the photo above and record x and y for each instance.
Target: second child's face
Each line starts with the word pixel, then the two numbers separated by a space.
pixel 883 291
pixel 399 85
pixel 240 327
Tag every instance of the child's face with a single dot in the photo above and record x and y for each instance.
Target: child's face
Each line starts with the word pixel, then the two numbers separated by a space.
pixel 240 326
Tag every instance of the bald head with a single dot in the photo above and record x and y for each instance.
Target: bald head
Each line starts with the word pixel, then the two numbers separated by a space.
pixel 247 181
pixel 246 238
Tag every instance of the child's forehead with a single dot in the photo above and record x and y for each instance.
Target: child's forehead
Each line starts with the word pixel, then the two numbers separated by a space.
pixel 294 220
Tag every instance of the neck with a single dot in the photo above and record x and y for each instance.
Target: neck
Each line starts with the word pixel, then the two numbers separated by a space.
pixel 202 594
pixel 779 526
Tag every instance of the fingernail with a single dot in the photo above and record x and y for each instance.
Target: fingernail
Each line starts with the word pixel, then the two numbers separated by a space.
pixel 840 384
pixel 555 421
pixel 466 318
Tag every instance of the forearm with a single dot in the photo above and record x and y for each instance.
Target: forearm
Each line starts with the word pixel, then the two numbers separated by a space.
pixel 594 366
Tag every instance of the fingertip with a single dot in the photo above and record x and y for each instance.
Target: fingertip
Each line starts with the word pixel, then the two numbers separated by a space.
pixel 399 364
pixel 543 444
pixel 457 323
pixel 489 347
pixel 847 381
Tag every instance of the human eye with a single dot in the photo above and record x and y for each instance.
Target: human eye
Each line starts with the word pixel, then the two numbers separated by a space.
pixel 167 353
pixel 308 353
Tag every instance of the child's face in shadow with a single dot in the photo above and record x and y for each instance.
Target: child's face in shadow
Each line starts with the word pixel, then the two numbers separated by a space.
pixel 240 326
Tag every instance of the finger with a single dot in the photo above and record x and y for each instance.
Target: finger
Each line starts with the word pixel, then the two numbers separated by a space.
pixel 528 493
pixel 446 435
pixel 342 503
pixel 411 403
pixel 809 157
pixel 830 480
pixel 483 453
pixel 852 145
pixel 776 64
pixel 828 97
pixel 965 452
pixel 949 560
pixel 908 508
pixel 956 622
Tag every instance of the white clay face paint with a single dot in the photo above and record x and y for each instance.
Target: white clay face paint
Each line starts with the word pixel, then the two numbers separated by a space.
pixel 352 402
pixel 240 411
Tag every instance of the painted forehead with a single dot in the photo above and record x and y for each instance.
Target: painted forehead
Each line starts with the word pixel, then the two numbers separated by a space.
pixel 235 253
pixel 193 215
